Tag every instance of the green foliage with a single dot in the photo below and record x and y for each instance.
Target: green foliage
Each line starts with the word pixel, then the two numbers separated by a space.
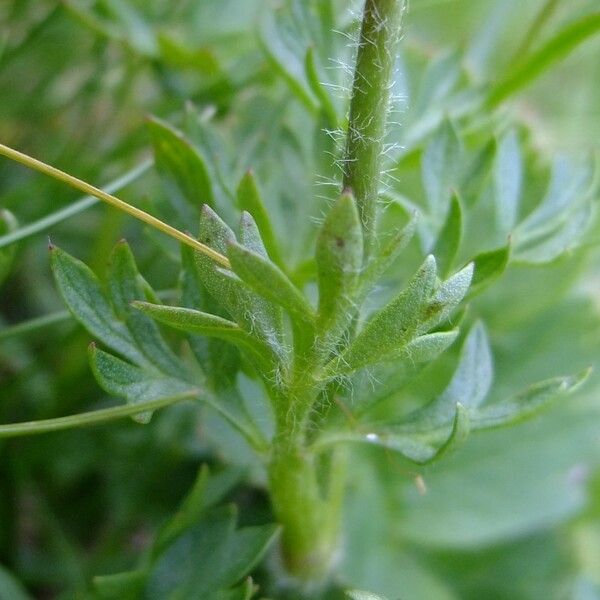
pixel 362 320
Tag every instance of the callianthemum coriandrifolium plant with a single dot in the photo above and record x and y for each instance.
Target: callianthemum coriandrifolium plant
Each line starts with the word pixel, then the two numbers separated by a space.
pixel 330 339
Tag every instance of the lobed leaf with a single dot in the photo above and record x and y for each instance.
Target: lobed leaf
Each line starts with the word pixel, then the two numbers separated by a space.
pixel 197 322
pixel 418 447
pixel 126 285
pixel 527 403
pixel 268 280
pixel 256 316
pixel 387 333
pixel 446 298
pixel 136 385
pixel 211 556
pixel 249 199
pixel 89 304
pixel 468 387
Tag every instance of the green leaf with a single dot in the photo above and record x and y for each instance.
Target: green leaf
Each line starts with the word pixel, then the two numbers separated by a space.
pixel 339 256
pixel 387 333
pixel 183 168
pixel 418 447
pixel 285 61
pixel 88 303
pixel 446 298
pixel 315 81
pixel 249 235
pixel 197 322
pixel 219 360
pixel 508 175
pixel 439 169
pixel 126 285
pixel 527 403
pixel 8 224
pixel 566 236
pixel 468 387
pixel 136 385
pixel 268 280
pixel 208 490
pixel 448 241
pixel 257 317
pixel 426 348
pixel 555 49
pixel 209 557
pixel 250 200
pixel 488 266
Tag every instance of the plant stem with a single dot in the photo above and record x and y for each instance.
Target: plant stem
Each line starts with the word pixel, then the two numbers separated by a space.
pixel 369 108
pixel 85 187
pixel 94 417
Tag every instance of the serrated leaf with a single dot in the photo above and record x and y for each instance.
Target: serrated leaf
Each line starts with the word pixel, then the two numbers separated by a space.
pixel 446 298
pixel 136 385
pixel 257 317
pixel 219 359
pixel 209 557
pixel 8 223
pixel 449 239
pixel 508 175
pixel 418 447
pixel 439 169
pixel 339 256
pixel 388 332
pixel 468 387
pixel 125 285
pixel 487 267
pixel 183 168
pixel 250 200
pixel 197 322
pixel 268 280
pixel 89 304
pixel 527 403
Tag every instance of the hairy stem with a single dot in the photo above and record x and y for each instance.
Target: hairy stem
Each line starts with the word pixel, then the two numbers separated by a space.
pixel 375 60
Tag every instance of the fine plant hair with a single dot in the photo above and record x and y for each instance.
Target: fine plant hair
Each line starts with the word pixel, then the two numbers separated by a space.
pixel 329 344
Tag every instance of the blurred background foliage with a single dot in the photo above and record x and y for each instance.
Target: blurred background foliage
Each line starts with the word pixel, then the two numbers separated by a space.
pixel 513 514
